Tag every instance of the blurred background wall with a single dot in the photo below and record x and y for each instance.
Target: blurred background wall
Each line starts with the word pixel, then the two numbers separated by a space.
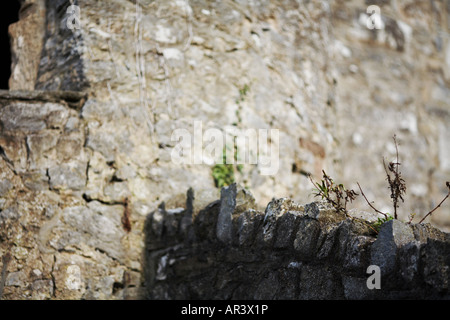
pixel 336 85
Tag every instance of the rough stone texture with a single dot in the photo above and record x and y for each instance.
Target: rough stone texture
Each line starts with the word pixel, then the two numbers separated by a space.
pixel 60 64
pixel 193 264
pixel 26 44
pixel 224 220
pixel 91 146
pixel 311 69
pixel 63 244
pixel 393 236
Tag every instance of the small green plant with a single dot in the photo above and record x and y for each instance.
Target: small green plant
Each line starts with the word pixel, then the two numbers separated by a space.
pixel 377 225
pixel 243 93
pixel 238 116
pixel 335 194
pixel 223 175
pixel 338 196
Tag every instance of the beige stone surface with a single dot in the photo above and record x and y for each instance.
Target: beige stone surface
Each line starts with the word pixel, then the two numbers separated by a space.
pixel 75 169
pixel 27 37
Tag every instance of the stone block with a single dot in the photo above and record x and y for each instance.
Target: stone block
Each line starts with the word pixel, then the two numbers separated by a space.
pixel 68 176
pixel 100 224
pixel 224 220
pixel 392 236
pixel 247 225
pixel 33 117
pixel 305 243
pixel 286 229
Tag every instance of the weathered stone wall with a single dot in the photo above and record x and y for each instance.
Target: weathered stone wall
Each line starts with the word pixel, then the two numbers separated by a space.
pixel 27 36
pixel 232 251
pixel 336 90
pixel 87 157
pixel 60 245
pixel 394 80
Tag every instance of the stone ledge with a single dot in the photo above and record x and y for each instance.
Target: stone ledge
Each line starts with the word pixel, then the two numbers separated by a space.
pixel 290 251
pixel 74 99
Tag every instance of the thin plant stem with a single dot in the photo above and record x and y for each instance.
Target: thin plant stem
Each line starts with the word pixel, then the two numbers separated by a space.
pixel 429 213
pixel 376 210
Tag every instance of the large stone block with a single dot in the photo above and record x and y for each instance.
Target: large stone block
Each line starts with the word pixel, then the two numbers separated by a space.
pixel 224 226
pixel 385 250
pixel 33 117
pixel 68 176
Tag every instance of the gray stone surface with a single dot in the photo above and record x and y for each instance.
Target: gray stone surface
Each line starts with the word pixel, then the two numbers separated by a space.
pixel 5 186
pixel 306 238
pixel 68 176
pixel 309 258
pixel 224 220
pixel 86 131
pixel 393 235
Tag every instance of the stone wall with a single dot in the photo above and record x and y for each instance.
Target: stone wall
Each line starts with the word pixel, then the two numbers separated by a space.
pixel 229 250
pixel 85 134
pixel 336 90
pixel 26 37
pixel 60 244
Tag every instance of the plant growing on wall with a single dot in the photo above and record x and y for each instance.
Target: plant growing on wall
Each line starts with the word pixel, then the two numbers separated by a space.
pixel 397 187
pixel 335 194
pixel 338 196
pixel 223 173
pixel 243 93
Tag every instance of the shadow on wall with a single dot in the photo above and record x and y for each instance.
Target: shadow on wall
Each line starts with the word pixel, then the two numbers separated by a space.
pixel 228 250
pixel 62 64
pixel 165 224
